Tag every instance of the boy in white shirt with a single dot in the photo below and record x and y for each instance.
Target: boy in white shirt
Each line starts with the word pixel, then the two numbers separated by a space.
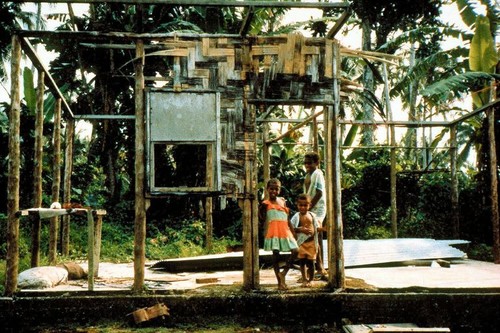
pixel 314 187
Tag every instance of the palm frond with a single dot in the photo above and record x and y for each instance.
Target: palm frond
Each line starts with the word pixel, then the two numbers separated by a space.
pixel 456 85
pixel 467 12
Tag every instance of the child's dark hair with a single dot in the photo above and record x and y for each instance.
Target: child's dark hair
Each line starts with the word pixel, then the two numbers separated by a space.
pixel 274 181
pixel 313 156
pixel 303 196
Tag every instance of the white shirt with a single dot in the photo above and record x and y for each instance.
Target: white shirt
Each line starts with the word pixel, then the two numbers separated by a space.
pixel 317 183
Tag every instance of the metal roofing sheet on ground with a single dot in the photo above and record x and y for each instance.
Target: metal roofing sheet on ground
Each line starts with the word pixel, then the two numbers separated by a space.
pixel 380 251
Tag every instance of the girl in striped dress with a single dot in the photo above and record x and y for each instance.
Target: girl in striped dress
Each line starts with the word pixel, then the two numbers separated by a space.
pixel 279 234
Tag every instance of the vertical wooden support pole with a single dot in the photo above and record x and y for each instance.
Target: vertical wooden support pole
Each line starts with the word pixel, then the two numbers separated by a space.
pixel 97 243
pixel 250 217
pixel 266 156
pixel 394 206
pixel 330 195
pixel 56 182
pixel 68 170
pixel 140 202
pixel 13 171
pixel 315 143
pixel 454 183
pixel 91 249
pixel 336 260
pixel 495 215
pixel 209 200
pixel 37 177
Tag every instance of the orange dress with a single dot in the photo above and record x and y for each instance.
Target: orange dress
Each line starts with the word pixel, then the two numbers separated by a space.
pixel 278 235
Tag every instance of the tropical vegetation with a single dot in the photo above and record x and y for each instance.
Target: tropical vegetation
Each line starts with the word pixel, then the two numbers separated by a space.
pixel 434 83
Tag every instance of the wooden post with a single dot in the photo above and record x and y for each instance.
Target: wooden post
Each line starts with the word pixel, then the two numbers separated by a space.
pixel 13 171
pixel 336 260
pixel 37 172
pixel 394 207
pixel 495 215
pixel 140 202
pixel 56 182
pixel 209 179
pixel 266 157
pixel 90 250
pixel 250 217
pixel 97 243
pixel 68 169
pixel 314 130
pixel 454 183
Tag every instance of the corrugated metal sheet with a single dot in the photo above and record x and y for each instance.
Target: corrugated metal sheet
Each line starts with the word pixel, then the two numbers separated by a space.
pixel 382 251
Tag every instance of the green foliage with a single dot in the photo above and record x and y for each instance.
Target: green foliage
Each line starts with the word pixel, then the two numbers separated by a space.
pixel 377 232
pixel 480 251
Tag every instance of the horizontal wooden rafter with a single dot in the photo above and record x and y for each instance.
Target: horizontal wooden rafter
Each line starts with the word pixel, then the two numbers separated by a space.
pixel 211 3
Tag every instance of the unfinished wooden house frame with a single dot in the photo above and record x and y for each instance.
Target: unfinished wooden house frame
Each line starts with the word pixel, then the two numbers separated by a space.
pixel 237 79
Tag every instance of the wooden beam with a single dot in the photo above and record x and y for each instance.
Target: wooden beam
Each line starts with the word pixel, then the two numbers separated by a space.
pixel 211 3
pixel 124 36
pixel 304 122
pixel 247 21
pixel 402 123
pixel 31 53
pixel 339 23
pixel 104 117
pixel 483 108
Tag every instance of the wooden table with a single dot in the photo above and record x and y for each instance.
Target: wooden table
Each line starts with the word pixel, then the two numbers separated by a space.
pixel 94 233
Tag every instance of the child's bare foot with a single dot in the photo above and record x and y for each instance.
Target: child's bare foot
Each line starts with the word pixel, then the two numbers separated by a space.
pixel 306 284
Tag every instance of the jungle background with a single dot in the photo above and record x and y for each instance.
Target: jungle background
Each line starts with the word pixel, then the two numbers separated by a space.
pixel 436 83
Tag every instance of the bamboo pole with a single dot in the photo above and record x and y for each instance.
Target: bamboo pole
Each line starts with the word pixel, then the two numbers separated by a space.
pixel 68 169
pixel 140 204
pixel 56 182
pixel 37 172
pixel 14 165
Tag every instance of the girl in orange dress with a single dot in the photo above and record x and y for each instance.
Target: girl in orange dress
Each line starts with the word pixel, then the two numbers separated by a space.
pixel 279 234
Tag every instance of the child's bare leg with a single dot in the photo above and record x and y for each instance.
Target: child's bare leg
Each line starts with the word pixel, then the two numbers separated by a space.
pixel 289 263
pixel 303 271
pixel 310 268
pixel 276 266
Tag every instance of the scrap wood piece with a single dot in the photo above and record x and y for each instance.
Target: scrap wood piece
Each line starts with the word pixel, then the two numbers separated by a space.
pixel 145 314
pixel 207 280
